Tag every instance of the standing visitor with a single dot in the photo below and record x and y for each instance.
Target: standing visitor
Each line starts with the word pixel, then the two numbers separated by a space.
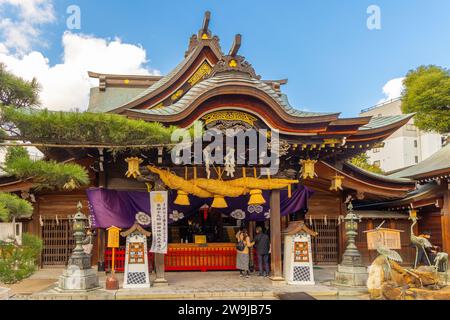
pixel 243 256
pixel 262 244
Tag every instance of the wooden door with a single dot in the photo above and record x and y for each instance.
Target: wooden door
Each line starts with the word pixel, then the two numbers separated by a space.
pixel 58 241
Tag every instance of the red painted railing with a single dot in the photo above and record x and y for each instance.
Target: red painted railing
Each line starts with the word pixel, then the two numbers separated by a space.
pixel 200 258
pixel 183 259
pixel 119 257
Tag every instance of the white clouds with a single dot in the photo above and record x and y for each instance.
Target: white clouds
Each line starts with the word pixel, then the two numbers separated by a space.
pixel 20 21
pixel 66 86
pixel 392 89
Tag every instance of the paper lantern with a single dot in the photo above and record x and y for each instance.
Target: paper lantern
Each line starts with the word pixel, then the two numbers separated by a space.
pixel 182 198
pixel 336 183
pixel 133 167
pixel 308 168
pixel 256 197
pixel 219 202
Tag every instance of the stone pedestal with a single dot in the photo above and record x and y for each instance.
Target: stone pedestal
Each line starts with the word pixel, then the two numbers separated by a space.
pixel 4 293
pixel 278 281
pixel 351 276
pixel 76 279
pixel 160 283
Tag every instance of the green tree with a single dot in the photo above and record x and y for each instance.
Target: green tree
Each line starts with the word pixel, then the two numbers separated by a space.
pixel 13 207
pixel 14 153
pixel 427 92
pixel 362 161
pixel 15 91
pixel 48 175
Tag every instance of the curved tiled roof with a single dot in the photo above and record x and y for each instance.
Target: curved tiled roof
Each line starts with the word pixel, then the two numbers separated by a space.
pixel 164 79
pixel 222 79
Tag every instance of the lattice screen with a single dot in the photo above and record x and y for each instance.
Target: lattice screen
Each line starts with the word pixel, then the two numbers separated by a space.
pixel 58 241
pixel 325 245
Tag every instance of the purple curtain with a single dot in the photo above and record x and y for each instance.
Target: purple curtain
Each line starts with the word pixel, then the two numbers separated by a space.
pixel 118 208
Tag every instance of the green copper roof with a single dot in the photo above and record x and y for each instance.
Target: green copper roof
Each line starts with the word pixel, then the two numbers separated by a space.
pixel 378 122
pixel 438 161
pixel 111 98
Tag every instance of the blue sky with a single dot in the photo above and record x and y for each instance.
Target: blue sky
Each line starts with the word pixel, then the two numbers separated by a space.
pixel 333 61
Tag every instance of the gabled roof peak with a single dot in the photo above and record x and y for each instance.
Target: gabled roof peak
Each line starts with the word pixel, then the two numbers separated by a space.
pixel 203 35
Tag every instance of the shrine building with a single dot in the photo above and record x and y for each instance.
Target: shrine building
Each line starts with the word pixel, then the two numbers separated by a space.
pixel 220 89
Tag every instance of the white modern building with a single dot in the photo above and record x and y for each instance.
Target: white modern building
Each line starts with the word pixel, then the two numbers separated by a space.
pixel 407 146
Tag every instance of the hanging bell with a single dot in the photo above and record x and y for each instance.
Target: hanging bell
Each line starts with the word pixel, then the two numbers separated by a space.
pixel 182 198
pixel 256 197
pixel 219 202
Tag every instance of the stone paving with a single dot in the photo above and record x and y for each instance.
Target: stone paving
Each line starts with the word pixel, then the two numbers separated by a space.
pixel 187 285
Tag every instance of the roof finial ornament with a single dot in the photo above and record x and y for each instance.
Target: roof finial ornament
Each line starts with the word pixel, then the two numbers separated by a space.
pixel 236 45
pixel 204 32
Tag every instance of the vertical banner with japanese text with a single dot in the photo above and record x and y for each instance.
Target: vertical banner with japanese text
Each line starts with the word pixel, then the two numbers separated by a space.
pixel 158 209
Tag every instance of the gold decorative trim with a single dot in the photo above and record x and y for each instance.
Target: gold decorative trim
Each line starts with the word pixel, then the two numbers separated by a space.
pixel 204 70
pixel 177 95
pixel 229 116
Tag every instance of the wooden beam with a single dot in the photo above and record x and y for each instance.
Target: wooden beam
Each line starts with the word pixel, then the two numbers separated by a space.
pixel 275 236
pixel 205 25
pixel 64 146
pixel 236 45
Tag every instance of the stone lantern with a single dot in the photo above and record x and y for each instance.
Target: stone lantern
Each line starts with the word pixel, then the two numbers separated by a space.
pixel 79 275
pixel 351 272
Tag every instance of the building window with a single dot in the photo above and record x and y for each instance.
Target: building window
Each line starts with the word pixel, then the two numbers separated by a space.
pixel 415 143
pixel 410 127
pixel 376 150
pixel 377 163
pixel 416 159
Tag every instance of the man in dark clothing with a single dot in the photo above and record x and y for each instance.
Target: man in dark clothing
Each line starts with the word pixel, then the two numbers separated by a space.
pixel 262 245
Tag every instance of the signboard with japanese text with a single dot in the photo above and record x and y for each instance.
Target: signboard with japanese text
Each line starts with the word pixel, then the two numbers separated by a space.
pixel 158 203
pixel 113 237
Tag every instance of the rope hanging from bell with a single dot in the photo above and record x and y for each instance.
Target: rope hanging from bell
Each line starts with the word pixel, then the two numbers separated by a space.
pixel 219 200
pixel 182 198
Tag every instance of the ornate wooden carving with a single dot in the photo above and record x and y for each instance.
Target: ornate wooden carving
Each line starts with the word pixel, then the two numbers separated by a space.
pixel 234 64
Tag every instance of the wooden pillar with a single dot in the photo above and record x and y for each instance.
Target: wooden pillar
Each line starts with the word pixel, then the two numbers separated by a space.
pixel 101 238
pixel 252 232
pixel 159 269
pixel 445 220
pixel 101 243
pixel 275 236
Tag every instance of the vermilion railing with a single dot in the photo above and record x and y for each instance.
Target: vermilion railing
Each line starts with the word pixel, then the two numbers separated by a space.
pixel 200 259
pixel 183 259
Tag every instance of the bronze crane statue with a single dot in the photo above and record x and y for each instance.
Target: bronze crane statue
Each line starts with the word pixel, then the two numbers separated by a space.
pixel 423 243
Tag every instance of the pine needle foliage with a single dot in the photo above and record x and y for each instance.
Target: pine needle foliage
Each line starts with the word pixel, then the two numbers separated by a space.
pixel 13 207
pixel 43 126
pixel 49 175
